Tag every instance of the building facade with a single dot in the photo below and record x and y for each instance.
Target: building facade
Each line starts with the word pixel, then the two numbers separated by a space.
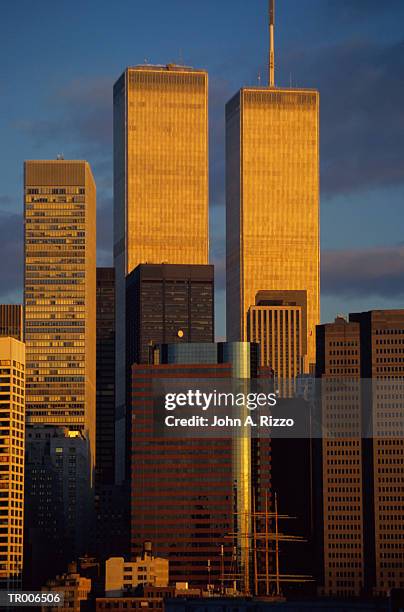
pixel 272 202
pixel 11 321
pixel 105 377
pixel 12 423
pixel 59 295
pixel 211 480
pixel 160 180
pixel 168 303
pixel 278 322
pixel 75 588
pixel 362 366
pixel 58 499
pixel 124 576
pixel 382 361
pixel 342 503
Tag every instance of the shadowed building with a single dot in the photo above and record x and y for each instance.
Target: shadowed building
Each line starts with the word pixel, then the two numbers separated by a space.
pixel 105 388
pixel 382 360
pixel 363 474
pixel 59 295
pixel 272 202
pixel 11 321
pixel 341 505
pixel 160 182
pixel 58 500
pixel 168 303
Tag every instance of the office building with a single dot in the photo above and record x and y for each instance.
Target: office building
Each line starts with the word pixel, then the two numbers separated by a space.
pixel 59 295
pixel 12 416
pixel 168 303
pixel 105 377
pixel 188 495
pixel 146 569
pixel 342 502
pixel 382 360
pixel 58 499
pixel 278 322
pixel 272 202
pixel 160 180
pixel 11 321
pixel 363 470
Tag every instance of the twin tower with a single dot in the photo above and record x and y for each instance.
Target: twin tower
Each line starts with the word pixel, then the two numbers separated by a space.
pixel 161 195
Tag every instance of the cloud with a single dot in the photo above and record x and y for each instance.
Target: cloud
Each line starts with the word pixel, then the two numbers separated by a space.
pixel 11 256
pixel 361 9
pixel 80 114
pixel 362 112
pixel 366 272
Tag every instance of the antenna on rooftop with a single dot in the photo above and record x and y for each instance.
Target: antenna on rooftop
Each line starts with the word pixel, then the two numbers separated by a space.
pixel 271 66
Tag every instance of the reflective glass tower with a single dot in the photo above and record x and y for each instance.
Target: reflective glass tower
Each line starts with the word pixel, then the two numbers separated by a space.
pixel 272 201
pixel 160 180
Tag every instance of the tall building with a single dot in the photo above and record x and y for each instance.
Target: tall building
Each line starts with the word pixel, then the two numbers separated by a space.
pixel 11 321
pixel 160 178
pixel 59 295
pixel 272 202
pixel 168 303
pixel 58 500
pixel 382 360
pixel 12 416
pixel 188 495
pixel 362 366
pixel 342 501
pixel 105 387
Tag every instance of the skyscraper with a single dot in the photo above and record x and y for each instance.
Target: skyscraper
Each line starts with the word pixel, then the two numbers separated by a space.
pixel 59 294
pixel 342 500
pixel 11 321
pixel 160 179
pixel 12 416
pixel 105 417
pixel 382 360
pixel 188 493
pixel 362 364
pixel 272 201
pixel 168 303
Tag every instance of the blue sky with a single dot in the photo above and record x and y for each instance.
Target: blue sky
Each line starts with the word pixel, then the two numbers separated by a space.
pixel 58 62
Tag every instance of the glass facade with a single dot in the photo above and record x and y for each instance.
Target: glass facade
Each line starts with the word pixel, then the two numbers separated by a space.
pixel 59 294
pixel 272 201
pixel 161 189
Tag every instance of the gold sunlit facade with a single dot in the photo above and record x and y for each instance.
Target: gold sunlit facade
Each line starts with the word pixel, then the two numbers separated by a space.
pixel 59 293
pixel 272 202
pixel 161 189
pixel 12 413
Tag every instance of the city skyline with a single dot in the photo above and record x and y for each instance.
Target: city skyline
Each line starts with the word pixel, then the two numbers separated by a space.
pixel 355 248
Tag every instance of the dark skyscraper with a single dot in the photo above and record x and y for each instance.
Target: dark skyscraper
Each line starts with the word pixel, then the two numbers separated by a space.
pixel 105 376
pixel 363 473
pixel 168 303
pixel 165 303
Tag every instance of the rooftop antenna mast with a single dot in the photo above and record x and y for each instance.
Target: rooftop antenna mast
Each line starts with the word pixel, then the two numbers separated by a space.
pixel 271 67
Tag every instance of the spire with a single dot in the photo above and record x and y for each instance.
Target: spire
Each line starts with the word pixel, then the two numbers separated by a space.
pixel 271 67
